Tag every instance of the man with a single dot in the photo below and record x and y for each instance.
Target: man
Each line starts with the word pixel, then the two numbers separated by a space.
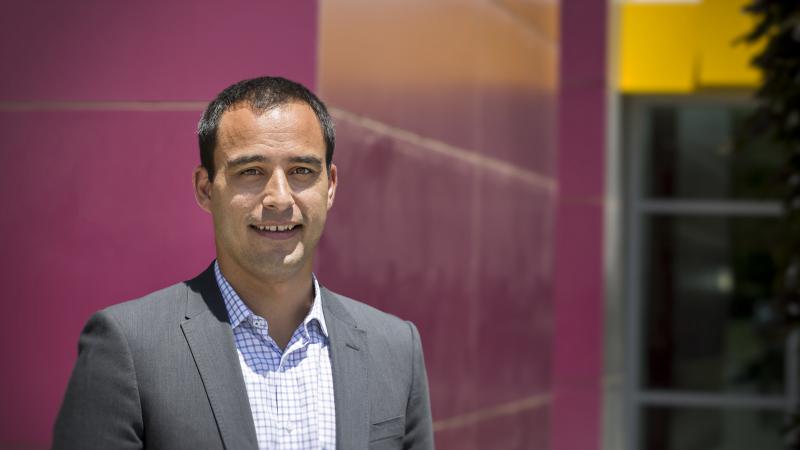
pixel 252 353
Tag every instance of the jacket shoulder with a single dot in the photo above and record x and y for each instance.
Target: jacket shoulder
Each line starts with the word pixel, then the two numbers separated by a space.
pixel 362 311
pixel 167 303
pixel 372 319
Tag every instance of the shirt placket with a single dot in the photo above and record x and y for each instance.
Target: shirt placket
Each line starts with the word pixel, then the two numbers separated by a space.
pixel 290 404
pixel 270 374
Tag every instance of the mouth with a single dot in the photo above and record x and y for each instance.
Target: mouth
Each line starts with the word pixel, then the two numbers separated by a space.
pixel 277 231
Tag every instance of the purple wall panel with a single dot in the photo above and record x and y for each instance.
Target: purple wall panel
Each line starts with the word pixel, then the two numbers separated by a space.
pixel 449 114
pixel 583 175
pixel 417 235
pixel 150 50
pixel 469 74
pixel 580 254
pixel 513 289
pixel 575 416
pixel 519 429
pixel 462 245
pixel 99 199
pixel 578 363
pixel 101 212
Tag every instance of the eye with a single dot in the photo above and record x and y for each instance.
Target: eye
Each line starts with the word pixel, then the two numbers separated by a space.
pixel 302 171
pixel 250 172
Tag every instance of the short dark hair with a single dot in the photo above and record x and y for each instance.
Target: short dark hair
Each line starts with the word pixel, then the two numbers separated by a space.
pixel 261 95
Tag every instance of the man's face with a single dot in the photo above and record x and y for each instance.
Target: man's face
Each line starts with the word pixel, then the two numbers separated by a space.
pixel 271 191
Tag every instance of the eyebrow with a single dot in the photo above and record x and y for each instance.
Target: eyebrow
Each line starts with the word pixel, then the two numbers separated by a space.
pixel 247 159
pixel 311 160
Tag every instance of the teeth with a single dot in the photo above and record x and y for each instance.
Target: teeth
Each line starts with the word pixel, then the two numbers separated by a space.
pixel 276 228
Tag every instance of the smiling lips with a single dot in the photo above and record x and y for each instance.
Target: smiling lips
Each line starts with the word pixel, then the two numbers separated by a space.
pixel 277 231
pixel 275 228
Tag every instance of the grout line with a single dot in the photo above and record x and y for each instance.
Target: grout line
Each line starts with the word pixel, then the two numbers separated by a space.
pixel 511 15
pixel 506 409
pixel 102 105
pixel 442 148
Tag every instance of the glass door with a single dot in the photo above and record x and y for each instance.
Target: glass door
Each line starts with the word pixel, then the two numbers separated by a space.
pixel 707 365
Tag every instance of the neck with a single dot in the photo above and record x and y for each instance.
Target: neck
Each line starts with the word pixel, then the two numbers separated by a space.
pixel 283 301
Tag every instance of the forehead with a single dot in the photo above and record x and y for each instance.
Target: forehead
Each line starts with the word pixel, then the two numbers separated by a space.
pixel 288 126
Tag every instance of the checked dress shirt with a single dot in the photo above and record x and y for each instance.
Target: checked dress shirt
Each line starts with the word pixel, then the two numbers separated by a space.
pixel 291 391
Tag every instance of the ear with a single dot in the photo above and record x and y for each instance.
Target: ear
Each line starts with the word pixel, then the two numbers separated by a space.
pixel 332 180
pixel 202 188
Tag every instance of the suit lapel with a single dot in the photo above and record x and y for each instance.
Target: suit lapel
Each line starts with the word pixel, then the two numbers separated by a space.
pixel 210 339
pixel 348 350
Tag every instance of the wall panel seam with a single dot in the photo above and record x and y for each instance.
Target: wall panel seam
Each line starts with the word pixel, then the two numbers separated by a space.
pixel 492 165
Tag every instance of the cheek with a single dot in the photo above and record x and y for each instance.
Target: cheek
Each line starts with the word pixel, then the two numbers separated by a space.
pixel 243 203
pixel 238 202
pixel 232 210
pixel 316 205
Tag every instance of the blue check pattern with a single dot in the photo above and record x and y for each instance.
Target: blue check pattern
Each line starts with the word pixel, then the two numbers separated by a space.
pixel 290 391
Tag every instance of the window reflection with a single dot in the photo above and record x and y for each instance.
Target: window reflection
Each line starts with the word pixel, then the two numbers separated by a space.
pixel 710 320
pixel 693 154
pixel 710 429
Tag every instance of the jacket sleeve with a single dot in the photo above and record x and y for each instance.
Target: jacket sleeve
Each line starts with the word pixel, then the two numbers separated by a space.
pixel 419 424
pixel 101 408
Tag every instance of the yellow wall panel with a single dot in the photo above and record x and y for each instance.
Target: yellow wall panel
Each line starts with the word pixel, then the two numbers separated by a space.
pixel 684 47
pixel 721 62
pixel 654 41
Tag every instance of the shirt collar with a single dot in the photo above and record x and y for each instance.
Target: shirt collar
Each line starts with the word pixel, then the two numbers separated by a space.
pixel 238 311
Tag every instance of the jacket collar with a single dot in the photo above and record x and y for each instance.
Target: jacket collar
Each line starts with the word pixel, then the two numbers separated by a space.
pixel 210 338
pixel 348 350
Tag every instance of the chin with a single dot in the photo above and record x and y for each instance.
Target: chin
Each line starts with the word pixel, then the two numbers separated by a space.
pixel 282 266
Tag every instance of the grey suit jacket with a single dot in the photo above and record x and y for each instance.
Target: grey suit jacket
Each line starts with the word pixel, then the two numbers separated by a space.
pixel 162 372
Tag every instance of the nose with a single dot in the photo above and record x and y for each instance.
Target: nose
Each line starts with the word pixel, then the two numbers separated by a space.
pixel 278 193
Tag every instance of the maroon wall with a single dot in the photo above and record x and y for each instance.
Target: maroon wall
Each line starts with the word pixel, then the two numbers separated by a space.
pixel 98 106
pixel 446 116
pixel 578 289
